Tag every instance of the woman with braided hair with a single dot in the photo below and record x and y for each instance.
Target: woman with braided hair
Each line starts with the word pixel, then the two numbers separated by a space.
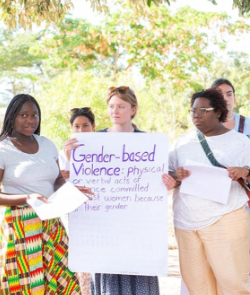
pixel 33 253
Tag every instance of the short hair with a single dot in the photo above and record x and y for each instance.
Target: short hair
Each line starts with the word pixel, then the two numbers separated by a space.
pixel 85 112
pixel 216 100
pixel 12 111
pixel 221 81
pixel 125 93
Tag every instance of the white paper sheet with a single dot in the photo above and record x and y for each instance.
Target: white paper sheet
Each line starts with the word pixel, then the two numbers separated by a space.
pixel 208 182
pixel 65 200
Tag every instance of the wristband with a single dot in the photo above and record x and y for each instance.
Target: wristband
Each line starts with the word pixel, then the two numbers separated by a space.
pixel 248 168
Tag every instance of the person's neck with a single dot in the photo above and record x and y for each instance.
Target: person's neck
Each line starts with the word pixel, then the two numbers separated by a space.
pixel 21 139
pixel 230 122
pixel 230 116
pixel 218 130
pixel 122 128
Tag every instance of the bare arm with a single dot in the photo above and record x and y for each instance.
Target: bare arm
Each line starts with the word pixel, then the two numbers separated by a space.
pixel 60 180
pixel 237 172
pixel 169 181
pixel 65 174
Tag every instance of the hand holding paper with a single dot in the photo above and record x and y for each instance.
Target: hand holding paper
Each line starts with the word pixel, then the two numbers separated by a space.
pixel 36 196
pixel 181 173
pixel 208 182
pixel 65 200
pixel 237 172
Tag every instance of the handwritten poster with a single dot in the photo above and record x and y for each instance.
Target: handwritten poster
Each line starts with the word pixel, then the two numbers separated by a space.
pixel 123 230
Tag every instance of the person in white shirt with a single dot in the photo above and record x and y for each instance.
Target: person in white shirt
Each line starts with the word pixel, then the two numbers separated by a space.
pixel 212 237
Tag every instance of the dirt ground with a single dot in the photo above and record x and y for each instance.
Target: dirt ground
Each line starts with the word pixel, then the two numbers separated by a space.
pixel 171 284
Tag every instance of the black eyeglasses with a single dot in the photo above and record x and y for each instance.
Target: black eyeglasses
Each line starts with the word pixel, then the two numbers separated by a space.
pixel 82 110
pixel 121 89
pixel 201 112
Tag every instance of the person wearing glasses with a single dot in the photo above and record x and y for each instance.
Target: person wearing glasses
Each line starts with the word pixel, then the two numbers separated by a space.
pixel 122 105
pixel 213 238
pixel 234 121
pixel 81 120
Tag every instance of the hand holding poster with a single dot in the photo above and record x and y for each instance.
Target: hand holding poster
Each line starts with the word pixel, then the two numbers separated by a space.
pixel 124 228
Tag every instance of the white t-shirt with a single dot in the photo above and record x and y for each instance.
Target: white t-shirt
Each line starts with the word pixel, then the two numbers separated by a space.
pixel 246 130
pixel 29 173
pixel 231 149
pixel 63 162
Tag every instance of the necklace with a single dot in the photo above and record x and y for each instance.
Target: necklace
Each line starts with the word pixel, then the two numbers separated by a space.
pixel 230 119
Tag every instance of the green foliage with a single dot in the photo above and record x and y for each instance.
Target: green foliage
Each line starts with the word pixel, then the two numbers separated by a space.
pixel 69 90
pixel 168 50
pixel 28 12
pixel 235 68
pixel 213 1
pixel 163 56
pixel 17 63
pixel 242 5
pixel 162 45
pixel 75 45
pixel 158 111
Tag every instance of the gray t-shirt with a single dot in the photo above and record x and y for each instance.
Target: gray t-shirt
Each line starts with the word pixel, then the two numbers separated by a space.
pixel 29 173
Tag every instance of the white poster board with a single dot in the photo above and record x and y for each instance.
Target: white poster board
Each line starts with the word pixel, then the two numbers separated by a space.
pixel 123 230
pixel 184 290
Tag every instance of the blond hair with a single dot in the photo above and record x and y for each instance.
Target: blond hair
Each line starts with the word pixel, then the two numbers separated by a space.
pixel 125 93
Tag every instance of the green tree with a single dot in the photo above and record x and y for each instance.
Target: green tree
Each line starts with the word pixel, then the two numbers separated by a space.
pixel 163 56
pixel 157 112
pixel 236 68
pixel 162 45
pixel 28 12
pixel 170 52
pixel 69 90
pixel 20 69
pixel 76 44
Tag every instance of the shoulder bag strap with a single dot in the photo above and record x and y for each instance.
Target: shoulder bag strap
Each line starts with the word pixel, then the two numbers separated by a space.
pixel 214 162
pixel 241 124
pixel 207 149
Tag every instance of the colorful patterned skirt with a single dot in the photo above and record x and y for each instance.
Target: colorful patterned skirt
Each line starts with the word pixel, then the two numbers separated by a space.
pixel 33 255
